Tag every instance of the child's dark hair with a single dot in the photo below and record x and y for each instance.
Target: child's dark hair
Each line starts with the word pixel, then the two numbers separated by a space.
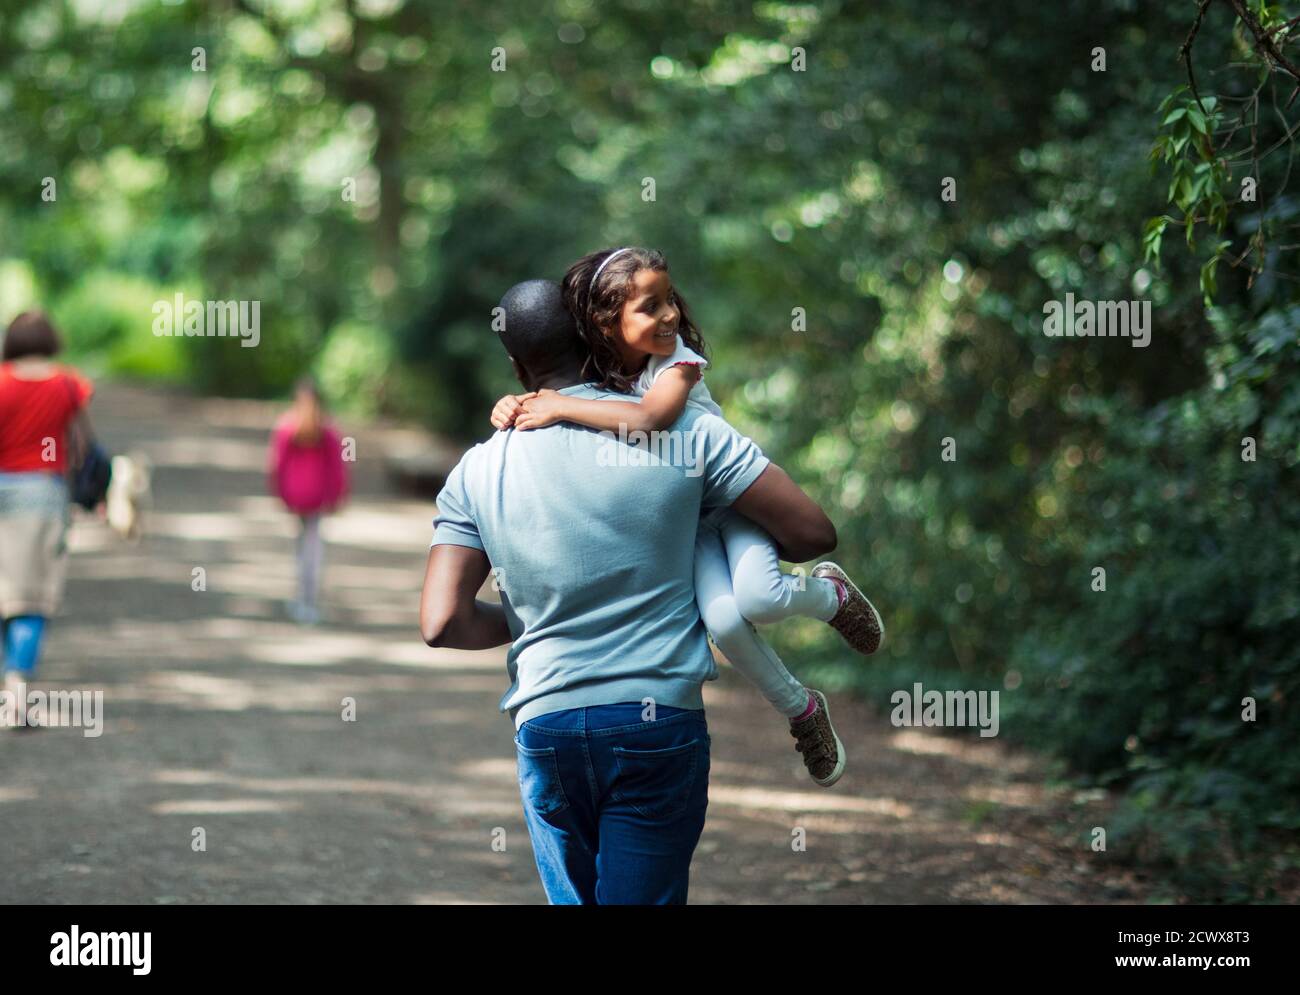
pixel 598 307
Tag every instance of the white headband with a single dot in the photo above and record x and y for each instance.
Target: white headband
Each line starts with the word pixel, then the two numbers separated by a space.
pixel 626 248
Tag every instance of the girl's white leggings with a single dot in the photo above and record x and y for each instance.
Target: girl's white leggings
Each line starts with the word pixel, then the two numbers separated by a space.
pixel 310 553
pixel 738 581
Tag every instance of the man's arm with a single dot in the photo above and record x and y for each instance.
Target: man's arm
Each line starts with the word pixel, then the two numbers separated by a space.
pixel 450 614
pixel 801 529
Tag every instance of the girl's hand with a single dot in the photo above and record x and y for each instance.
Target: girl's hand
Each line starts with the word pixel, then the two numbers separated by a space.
pixel 507 410
pixel 542 409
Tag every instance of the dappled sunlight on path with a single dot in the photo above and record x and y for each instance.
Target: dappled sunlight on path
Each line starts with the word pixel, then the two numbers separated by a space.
pixel 224 717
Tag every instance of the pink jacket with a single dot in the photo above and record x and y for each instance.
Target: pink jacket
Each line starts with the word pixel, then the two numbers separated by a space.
pixel 307 478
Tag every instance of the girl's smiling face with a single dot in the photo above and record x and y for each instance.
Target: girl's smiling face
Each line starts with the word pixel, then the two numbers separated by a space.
pixel 648 324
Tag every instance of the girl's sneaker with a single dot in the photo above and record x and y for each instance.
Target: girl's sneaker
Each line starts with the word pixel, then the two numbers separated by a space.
pixel 815 738
pixel 857 620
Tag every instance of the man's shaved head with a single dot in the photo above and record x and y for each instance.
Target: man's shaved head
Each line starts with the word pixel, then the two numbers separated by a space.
pixel 539 332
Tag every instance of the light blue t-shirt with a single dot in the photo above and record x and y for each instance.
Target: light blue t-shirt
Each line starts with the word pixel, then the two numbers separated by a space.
pixel 591 537
pixel 682 355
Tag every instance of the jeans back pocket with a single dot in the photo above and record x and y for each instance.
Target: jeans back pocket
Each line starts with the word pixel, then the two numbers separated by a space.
pixel 657 784
pixel 539 779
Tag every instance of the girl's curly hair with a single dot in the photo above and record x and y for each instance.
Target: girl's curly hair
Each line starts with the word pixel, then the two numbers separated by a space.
pixel 598 309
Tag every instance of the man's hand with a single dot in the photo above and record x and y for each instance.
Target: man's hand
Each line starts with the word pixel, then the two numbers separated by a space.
pixel 508 409
pixel 542 409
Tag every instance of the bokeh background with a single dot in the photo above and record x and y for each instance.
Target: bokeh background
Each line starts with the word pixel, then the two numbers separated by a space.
pixel 798 154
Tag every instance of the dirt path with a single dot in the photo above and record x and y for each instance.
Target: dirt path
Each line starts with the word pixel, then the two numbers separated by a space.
pixel 220 714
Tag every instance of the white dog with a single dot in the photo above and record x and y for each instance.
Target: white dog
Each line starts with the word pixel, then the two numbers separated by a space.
pixel 129 495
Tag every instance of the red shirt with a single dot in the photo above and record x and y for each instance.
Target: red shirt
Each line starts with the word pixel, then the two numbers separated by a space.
pixel 34 417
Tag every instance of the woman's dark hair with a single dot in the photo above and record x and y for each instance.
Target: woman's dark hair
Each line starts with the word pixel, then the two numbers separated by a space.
pixel 598 309
pixel 31 334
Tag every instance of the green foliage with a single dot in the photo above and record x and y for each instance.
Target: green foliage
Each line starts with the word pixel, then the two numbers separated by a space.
pixel 107 318
pixel 355 367
pixel 1197 181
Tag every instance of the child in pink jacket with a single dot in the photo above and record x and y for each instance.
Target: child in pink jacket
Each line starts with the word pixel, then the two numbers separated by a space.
pixel 308 473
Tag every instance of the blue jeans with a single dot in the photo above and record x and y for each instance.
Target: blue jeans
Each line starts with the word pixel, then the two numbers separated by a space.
pixel 614 805
pixel 21 638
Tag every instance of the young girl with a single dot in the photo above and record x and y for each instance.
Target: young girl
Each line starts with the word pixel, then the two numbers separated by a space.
pixel 309 475
pixel 643 341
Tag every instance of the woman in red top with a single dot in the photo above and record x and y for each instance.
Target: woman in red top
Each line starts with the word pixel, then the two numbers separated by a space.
pixel 42 415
